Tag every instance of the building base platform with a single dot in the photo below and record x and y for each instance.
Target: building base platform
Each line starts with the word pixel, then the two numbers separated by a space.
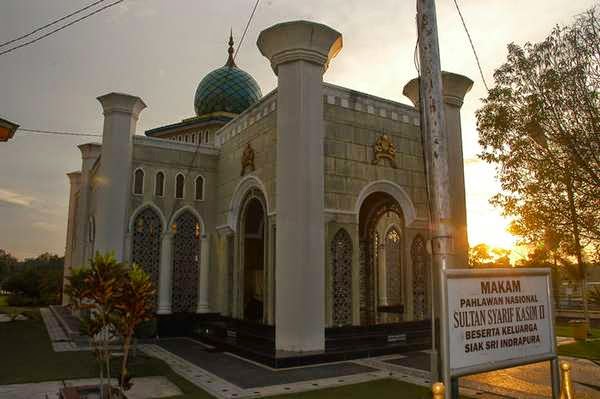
pixel 256 342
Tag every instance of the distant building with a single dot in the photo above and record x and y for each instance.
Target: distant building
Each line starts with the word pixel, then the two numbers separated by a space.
pixel 302 209
pixel 7 129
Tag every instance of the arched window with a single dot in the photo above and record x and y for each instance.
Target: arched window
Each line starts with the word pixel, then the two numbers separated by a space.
pixel 138 182
pixel 341 281
pixel 199 188
pixel 146 240
pixel 159 184
pixel 186 257
pixel 393 266
pixel 179 186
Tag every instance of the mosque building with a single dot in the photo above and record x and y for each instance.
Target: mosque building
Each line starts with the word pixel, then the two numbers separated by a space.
pixel 303 210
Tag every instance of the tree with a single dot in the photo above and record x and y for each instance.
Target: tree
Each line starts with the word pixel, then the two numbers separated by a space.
pixel 7 264
pixel 540 125
pixel 113 298
pixel 94 292
pixel 46 260
pixel 481 255
pixel 135 304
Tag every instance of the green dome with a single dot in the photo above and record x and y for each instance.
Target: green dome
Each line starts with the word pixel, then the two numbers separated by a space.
pixel 227 89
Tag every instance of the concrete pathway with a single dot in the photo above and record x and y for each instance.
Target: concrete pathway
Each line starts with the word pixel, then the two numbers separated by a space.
pixel 227 376
pixel 533 381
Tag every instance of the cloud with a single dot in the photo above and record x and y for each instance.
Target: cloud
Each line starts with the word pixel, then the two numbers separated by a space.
pixel 137 8
pixel 45 226
pixel 12 198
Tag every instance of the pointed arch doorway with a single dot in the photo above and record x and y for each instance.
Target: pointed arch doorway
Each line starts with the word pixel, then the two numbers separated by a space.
pixel 382 289
pixel 252 260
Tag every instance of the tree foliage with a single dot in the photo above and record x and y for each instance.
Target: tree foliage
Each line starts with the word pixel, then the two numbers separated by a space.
pixel 483 256
pixel 33 281
pixel 113 299
pixel 7 264
pixel 540 125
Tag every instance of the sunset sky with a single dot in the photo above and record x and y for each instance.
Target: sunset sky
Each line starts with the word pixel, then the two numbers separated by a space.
pixel 160 50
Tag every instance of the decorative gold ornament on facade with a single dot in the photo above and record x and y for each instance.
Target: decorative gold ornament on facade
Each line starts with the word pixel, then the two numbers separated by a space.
pixel 384 148
pixel 247 159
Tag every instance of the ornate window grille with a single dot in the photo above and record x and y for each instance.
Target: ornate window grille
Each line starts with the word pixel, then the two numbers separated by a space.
pixel 186 260
pixel 147 231
pixel 393 263
pixel 418 255
pixel 341 268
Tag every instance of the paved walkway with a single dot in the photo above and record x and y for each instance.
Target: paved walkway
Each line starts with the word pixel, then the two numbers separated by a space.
pixel 227 376
pixel 60 341
pixel 533 381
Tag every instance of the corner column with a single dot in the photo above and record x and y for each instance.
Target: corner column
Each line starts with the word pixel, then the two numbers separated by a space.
pixel 74 184
pixel 299 53
pixel 203 283
pixel 121 112
pixel 455 87
pixel 166 274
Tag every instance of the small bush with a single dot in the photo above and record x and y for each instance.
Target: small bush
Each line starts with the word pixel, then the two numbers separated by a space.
pixel 21 300
pixel 34 286
pixel 146 329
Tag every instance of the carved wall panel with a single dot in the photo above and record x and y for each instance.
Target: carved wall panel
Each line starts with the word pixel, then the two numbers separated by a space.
pixel 341 268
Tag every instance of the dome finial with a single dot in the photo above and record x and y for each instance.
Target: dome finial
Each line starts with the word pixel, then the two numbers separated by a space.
pixel 230 61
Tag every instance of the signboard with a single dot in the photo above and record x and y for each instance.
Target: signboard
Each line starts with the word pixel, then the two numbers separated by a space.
pixel 498 318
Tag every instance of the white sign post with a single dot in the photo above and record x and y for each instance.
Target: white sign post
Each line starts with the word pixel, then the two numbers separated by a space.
pixel 499 318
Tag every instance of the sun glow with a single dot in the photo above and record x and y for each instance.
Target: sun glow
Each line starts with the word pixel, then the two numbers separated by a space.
pixel 485 223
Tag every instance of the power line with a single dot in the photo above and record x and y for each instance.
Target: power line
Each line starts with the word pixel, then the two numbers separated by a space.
pixel 61 27
pixel 472 45
pixel 51 23
pixel 246 29
pixel 228 72
pixel 80 134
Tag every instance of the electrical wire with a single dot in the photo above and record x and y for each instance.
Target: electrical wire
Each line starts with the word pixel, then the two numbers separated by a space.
pixel 61 27
pixel 239 45
pixel 246 29
pixel 60 133
pixel 472 45
pixel 51 23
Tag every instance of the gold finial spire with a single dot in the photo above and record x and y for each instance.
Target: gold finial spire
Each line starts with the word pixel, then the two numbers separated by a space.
pixel 230 61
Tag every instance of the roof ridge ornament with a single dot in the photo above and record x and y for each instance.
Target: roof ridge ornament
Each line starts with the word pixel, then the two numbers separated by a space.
pixel 230 61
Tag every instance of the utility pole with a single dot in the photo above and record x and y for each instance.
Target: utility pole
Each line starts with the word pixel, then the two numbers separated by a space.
pixel 436 139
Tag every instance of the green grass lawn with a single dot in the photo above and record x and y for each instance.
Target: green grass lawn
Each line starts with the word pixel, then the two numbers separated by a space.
pixel 582 349
pixel 586 350
pixel 564 330
pixel 27 356
pixel 3 300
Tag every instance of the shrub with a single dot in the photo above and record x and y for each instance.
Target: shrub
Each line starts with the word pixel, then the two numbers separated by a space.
pixel 146 329
pixel 21 300
pixel 33 286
